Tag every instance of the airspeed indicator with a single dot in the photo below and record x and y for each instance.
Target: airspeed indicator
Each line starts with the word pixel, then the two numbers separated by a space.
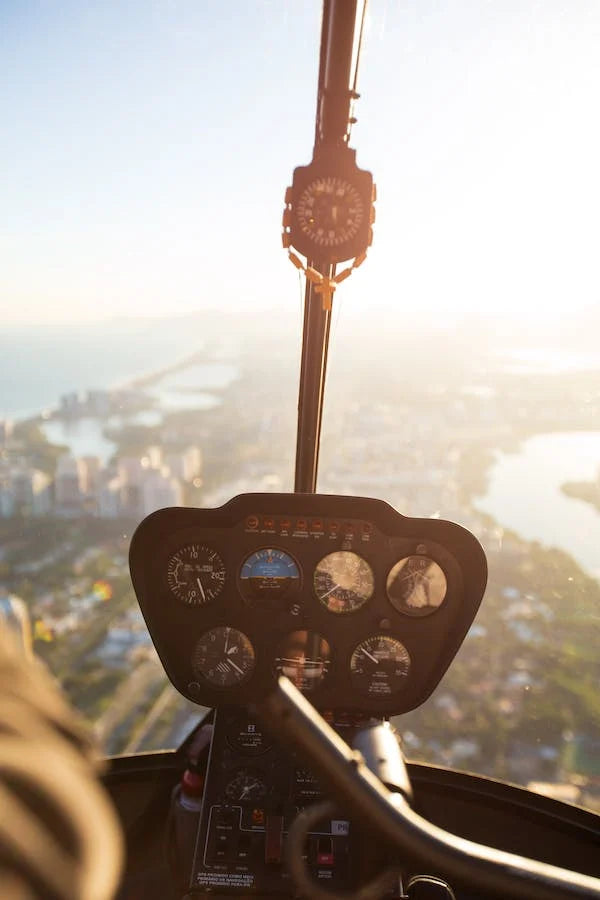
pixel 196 574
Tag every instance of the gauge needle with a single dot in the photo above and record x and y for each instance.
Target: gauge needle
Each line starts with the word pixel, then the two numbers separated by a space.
pixel 330 591
pixel 201 589
pixel 370 656
pixel 246 790
pixel 237 668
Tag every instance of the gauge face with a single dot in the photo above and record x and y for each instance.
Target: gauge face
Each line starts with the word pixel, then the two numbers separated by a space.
pixel 344 581
pixel 379 666
pixel 268 575
pixel 304 657
pixel 224 657
pixel 330 211
pixel 245 735
pixel 196 574
pixel 416 586
pixel 246 786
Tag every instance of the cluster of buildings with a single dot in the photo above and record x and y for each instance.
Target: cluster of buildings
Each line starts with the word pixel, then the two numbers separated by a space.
pixel 135 486
pixel 131 486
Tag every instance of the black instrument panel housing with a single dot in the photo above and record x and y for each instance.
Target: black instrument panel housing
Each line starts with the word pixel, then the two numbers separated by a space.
pixel 308 527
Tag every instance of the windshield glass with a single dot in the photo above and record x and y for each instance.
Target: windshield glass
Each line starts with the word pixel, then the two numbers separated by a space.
pixel 152 327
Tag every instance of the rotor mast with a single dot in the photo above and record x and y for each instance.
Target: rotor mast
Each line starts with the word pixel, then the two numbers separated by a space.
pixel 341 31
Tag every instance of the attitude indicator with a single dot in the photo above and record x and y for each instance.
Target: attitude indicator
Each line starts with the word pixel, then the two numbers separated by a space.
pixel 268 575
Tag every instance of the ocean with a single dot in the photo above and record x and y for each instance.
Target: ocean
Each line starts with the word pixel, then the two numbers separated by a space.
pixel 37 364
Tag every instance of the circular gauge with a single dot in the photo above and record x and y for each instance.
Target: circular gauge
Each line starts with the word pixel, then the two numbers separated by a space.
pixel 245 735
pixel 196 574
pixel 246 786
pixel 330 211
pixel 306 786
pixel 224 656
pixel 379 666
pixel 344 581
pixel 304 657
pixel 416 586
pixel 268 574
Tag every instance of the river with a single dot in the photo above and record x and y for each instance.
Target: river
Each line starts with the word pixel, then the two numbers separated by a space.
pixel 524 493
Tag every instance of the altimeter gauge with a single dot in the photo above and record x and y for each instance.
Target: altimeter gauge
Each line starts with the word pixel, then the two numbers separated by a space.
pixel 224 657
pixel 344 581
pixel 416 586
pixel 379 666
pixel 196 574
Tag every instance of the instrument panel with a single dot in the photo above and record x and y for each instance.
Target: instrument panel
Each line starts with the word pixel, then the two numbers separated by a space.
pixel 361 607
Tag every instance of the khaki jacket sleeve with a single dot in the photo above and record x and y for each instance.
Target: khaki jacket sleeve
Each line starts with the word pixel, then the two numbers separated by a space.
pixel 59 835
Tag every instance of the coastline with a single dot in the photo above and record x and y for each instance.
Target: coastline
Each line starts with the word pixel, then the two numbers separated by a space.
pixel 105 422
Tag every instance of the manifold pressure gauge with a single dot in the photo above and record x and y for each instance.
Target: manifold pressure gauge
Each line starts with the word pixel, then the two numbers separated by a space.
pixel 329 208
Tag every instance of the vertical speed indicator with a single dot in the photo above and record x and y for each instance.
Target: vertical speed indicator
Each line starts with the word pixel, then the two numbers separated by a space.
pixel 196 574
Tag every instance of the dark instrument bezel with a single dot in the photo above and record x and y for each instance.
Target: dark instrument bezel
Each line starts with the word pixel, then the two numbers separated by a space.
pixel 371 528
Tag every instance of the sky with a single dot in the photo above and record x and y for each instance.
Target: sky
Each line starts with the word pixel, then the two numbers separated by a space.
pixel 145 148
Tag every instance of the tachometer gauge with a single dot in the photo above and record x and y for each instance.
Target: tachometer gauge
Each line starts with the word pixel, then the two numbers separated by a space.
pixel 196 574
pixel 344 581
pixel 379 666
pixel 224 657
pixel 268 574
pixel 303 656
pixel 246 786
pixel 416 586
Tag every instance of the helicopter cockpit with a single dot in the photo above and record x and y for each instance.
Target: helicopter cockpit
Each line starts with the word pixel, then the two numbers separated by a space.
pixel 304 630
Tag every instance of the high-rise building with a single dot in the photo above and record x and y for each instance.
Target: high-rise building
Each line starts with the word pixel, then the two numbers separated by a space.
pixel 6 430
pixel 24 492
pixel 184 464
pixel 68 494
pixel 90 468
pixel 130 470
pixel 109 498
pixel 159 489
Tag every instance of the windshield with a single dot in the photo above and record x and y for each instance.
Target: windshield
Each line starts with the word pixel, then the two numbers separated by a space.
pixel 152 327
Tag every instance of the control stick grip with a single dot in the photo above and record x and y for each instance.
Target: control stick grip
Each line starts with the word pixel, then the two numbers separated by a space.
pixel 380 748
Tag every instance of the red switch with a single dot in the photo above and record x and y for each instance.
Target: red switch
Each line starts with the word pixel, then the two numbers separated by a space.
pixel 273 839
pixel 325 851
